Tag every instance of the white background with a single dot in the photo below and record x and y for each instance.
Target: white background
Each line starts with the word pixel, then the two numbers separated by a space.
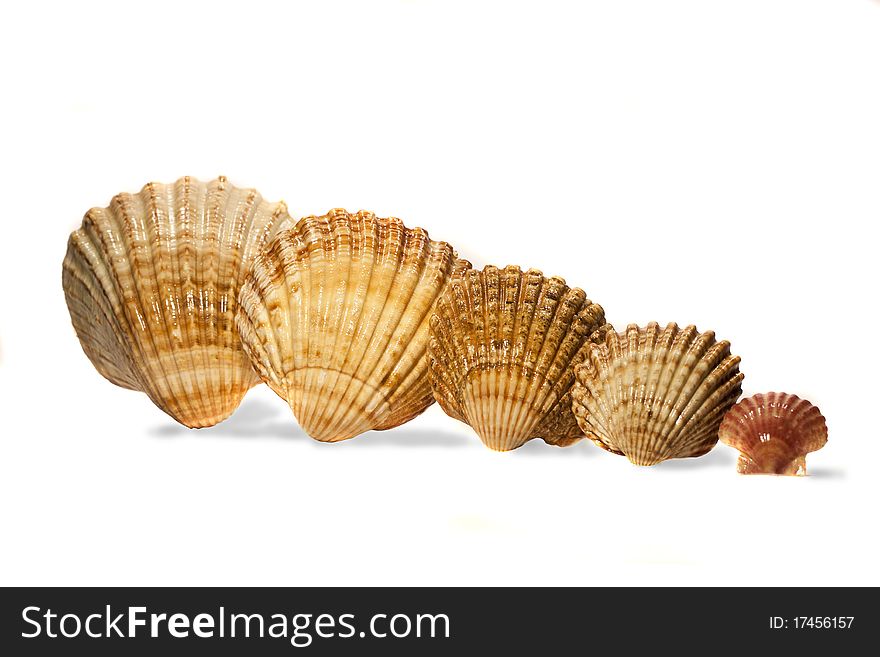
pixel 715 163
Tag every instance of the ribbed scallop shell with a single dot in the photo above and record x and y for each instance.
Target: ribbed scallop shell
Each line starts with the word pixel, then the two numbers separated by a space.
pixel 335 319
pixel 151 283
pixel 654 394
pixel 503 343
pixel 774 432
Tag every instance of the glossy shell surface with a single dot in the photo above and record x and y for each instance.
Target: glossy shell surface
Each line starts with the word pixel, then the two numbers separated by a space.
pixel 653 394
pixel 335 319
pixel 151 283
pixel 503 344
pixel 774 432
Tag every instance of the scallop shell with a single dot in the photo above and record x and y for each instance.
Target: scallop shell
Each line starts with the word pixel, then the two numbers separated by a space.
pixel 335 319
pixel 774 432
pixel 151 283
pixel 653 394
pixel 503 343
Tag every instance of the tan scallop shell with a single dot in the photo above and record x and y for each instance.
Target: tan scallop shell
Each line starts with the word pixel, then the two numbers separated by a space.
pixel 653 394
pixel 503 343
pixel 335 319
pixel 151 283
pixel 774 432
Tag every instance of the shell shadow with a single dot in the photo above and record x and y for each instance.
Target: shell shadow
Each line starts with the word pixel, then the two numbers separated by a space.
pixel 253 419
pixel 537 448
pixel 825 473
pixel 256 418
pixel 718 457
pixel 407 437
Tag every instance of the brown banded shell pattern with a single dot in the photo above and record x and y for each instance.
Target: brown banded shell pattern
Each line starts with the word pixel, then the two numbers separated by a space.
pixel 503 343
pixel 335 318
pixel 151 283
pixel 653 394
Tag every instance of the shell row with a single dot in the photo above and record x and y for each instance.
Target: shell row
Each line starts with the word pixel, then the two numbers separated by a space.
pixel 194 292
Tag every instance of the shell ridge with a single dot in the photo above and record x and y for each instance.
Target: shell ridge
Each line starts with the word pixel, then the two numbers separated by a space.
pixel 413 282
pixel 334 282
pixel 393 389
pixel 648 374
pixel 712 412
pixel 209 272
pixel 463 322
pixel 675 363
pixel 388 255
pixel 599 387
pixel 222 281
pixel 593 380
pixel 440 351
pixel 321 258
pixel 488 393
pixel 408 364
pixel 534 287
pixel 615 388
pixel 571 322
pixel 720 380
pixel 588 414
pixel 631 350
pixel 186 272
pixel 146 300
pixel 128 303
pixel 209 217
pixel 265 301
pixel 285 255
pixel 663 357
pixel 495 304
pixel 363 253
pixel 201 333
pixel 340 295
pixel 692 388
pixel 450 311
pixel 559 329
pixel 294 267
pixel 172 297
pixel 262 221
pixel 82 248
pixel 196 319
pixel 695 386
pixel 513 297
pixel 160 203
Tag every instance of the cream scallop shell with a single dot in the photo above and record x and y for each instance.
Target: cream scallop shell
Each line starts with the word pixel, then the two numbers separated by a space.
pixel 334 316
pixel 151 283
pixel 503 343
pixel 654 394
pixel 774 432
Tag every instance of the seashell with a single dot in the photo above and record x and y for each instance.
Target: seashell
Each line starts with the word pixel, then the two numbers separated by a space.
pixel 774 431
pixel 503 343
pixel 334 316
pixel 151 283
pixel 653 394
